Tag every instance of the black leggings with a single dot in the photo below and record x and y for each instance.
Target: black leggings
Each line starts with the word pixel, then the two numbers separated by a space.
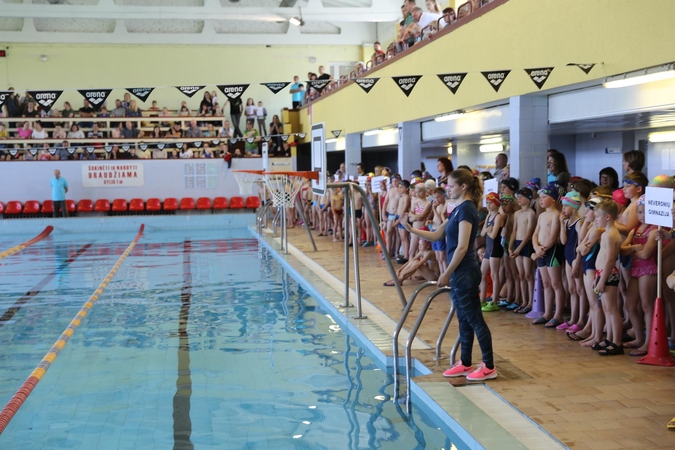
pixel 465 296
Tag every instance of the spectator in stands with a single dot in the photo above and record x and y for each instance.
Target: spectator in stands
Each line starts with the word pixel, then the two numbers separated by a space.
pixel 207 151
pixel 12 105
pixel 27 155
pixel 59 191
pixel 176 131
pixel 4 134
pixel 276 130
pixel 206 103
pixel 210 131
pixel 158 153
pixel 127 100
pixel 217 110
pixel 323 75
pixel 95 133
pixel 204 111
pixel 501 161
pixel 223 148
pixel 132 154
pixel 63 153
pixel 85 155
pixel 449 16
pixel 75 132
pixel 44 153
pixel 609 177
pixel 116 132
pixel 298 92
pixel 129 132
pixel 134 111
pixel 556 164
pixel 86 112
pixel 251 133
pixel 156 133
pixel 118 111
pixel 249 110
pixel 418 29
pixel 404 36
pixel 154 108
pixel 261 116
pixel 103 112
pixel 186 153
pixel 115 153
pixel 226 131
pixel 165 113
pixel 236 108
pixel 143 153
pixel 67 110
pixel 475 4
pixel 38 131
pixel 24 132
pixel 31 111
pixel 184 111
pixel 59 133
pixel 285 150
pixel 194 131
pixel 378 55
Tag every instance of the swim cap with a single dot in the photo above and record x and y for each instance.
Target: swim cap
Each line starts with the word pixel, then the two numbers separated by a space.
pixel 663 181
pixel 551 190
pixel 641 201
pixel 430 184
pixel 619 197
pixel 507 199
pixel 511 183
pixel 493 197
pixel 534 183
pixel 593 202
pixel 572 199
pixel 525 192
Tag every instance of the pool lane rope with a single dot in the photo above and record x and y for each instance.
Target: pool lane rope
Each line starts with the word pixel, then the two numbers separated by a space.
pixel 20 247
pixel 27 387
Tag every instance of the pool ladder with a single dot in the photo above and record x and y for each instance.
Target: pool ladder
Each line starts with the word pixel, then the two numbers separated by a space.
pixel 279 221
pixel 413 334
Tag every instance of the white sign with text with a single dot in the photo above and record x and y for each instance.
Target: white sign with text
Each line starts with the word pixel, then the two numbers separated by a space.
pixel 659 206
pixel 119 174
pixel 489 186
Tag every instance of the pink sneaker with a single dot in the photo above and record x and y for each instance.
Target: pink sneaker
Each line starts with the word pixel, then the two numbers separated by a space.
pixel 563 326
pixel 482 374
pixel 573 329
pixel 458 370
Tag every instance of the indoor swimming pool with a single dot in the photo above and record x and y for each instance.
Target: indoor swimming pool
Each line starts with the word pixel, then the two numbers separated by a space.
pixel 202 340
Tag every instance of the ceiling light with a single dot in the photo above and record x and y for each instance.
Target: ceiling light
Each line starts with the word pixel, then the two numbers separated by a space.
pixel 373 132
pixel 490 148
pixel 640 77
pixel 297 21
pixel 491 140
pixel 662 137
pixel 450 116
pixel 331 140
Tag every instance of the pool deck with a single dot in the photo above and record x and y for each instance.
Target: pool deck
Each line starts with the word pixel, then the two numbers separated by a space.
pixel 581 399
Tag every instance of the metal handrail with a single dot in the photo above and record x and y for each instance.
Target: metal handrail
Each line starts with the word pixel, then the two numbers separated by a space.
pixel 349 190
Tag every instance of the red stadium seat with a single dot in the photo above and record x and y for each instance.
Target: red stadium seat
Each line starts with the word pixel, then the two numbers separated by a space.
pixel 85 205
pixel 170 204
pixel 252 202
pixel 31 207
pixel 220 203
pixel 48 207
pixel 153 204
pixel 102 205
pixel 119 205
pixel 2 208
pixel 187 203
pixel 13 207
pixel 236 203
pixel 137 205
pixel 70 206
pixel 203 203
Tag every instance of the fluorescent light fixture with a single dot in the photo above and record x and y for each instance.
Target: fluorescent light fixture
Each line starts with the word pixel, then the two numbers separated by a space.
pixel 451 116
pixel 491 140
pixel 331 140
pixel 490 148
pixel 298 22
pixel 373 132
pixel 668 136
pixel 640 77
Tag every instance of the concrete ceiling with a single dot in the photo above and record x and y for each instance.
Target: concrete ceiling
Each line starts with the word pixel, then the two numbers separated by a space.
pixel 329 22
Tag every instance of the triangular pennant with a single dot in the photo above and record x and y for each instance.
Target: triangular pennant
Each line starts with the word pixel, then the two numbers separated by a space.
pixel 336 133
pixel 585 67
pixel 179 145
pixel 197 144
pixel 233 91
pixel 215 141
pixel 107 148
pixel 265 138
pixel 71 150
pixel 141 93
pixel 276 87
pixel 125 148
pixel 190 90
pixel 250 140
pixel 366 83
pixel 13 151
pixel 284 137
pixel 4 95
pixel 539 76
pixel 319 85
pixel 46 99
pixel 496 78
pixel 52 150
pixel 143 146
pixel 233 141
pixel 160 146
pixel 91 149
pixel 96 97
pixel 407 84
pixel 33 151
pixel 452 80
pixel 301 135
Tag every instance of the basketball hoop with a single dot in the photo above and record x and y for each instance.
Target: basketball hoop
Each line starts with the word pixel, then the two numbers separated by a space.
pixel 284 186
pixel 246 179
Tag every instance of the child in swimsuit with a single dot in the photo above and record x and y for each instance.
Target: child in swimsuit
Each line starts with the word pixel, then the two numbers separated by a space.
pixel 508 266
pixel 493 251
pixel 524 221
pixel 336 203
pixel 570 223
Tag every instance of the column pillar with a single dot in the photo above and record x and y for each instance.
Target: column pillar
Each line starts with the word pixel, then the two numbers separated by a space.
pixel 409 148
pixel 528 137
pixel 352 153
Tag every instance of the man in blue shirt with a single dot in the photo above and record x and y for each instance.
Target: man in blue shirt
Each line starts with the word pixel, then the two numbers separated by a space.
pixel 298 91
pixel 59 189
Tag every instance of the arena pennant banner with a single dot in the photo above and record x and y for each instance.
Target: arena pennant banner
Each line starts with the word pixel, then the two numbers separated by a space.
pixel 46 99
pixel 119 174
pixel 141 93
pixel 4 95
pixel 496 78
pixel 366 83
pixel 407 84
pixel 96 97
pixel 452 80
pixel 190 91
pixel 585 67
pixel 539 76
pixel 319 85
pixel 233 91
pixel 276 87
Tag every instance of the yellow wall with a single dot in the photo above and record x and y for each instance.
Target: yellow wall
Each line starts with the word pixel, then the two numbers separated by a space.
pixel 516 35
pixel 125 66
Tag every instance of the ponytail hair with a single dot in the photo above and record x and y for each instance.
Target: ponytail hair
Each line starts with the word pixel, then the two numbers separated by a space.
pixel 473 183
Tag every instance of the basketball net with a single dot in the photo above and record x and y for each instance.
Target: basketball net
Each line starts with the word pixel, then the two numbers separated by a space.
pixel 284 186
pixel 246 179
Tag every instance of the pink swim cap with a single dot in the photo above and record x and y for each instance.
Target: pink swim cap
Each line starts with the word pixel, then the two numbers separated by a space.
pixel 619 197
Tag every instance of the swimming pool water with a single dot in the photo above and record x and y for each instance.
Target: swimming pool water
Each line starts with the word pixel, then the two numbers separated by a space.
pixel 202 340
